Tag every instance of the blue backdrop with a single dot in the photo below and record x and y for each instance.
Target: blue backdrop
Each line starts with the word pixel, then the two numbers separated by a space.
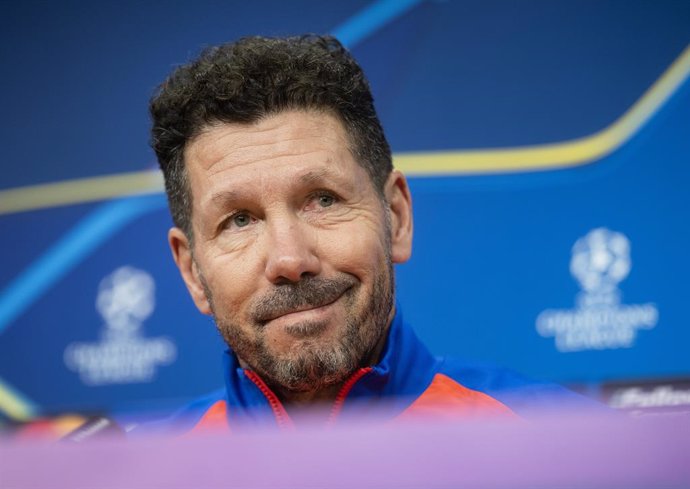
pixel 547 148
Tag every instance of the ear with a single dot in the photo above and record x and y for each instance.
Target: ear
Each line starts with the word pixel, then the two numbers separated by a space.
pixel 400 204
pixel 182 254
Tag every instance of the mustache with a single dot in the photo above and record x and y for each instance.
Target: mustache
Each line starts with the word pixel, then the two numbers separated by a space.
pixel 308 293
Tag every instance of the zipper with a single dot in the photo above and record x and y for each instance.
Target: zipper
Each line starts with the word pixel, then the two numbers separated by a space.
pixel 281 415
pixel 344 391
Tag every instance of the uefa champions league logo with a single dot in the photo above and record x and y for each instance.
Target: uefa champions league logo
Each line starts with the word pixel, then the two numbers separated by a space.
pixel 126 298
pixel 600 262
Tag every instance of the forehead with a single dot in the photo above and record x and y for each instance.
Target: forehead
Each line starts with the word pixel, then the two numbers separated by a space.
pixel 270 140
pixel 266 155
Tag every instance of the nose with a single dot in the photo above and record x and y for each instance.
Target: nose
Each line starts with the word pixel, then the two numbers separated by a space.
pixel 291 253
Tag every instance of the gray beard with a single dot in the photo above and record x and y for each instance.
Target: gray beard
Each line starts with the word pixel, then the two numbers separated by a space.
pixel 313 365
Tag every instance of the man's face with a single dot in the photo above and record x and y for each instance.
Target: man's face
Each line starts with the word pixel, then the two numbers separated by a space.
pixel 293 247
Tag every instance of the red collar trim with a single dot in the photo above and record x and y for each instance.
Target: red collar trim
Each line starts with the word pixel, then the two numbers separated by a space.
pixel 283 418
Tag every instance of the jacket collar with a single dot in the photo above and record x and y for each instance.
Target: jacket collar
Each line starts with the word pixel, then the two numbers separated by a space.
pixel 405 369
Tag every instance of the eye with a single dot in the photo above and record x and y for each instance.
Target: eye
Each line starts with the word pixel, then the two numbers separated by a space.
pixel 241 220
pixel 236 222
pixel 325 200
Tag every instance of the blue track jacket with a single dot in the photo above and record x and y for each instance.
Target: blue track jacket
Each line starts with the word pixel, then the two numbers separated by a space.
pixel 408 382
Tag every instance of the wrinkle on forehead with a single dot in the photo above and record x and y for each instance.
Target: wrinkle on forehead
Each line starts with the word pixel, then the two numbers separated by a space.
pixel 230 162
pixel 260 164
pixel 269 138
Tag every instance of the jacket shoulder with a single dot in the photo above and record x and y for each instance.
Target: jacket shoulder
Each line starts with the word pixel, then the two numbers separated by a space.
pixel 209 409
pixel 521 394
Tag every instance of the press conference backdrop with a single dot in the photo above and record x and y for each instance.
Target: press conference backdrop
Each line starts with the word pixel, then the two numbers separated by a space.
pixel 547 149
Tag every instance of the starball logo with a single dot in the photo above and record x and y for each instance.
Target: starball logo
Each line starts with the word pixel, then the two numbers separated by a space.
pixel 600 262
pixel 126 298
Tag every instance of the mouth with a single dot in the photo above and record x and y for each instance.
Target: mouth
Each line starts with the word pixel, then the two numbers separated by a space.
pixel 308 299
pixel 301 310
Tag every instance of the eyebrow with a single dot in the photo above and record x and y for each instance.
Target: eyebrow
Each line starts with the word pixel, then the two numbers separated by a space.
pixel 314 176
pixel 221 198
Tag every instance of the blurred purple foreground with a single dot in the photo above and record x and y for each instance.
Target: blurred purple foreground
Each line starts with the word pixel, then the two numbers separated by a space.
pixel 554 451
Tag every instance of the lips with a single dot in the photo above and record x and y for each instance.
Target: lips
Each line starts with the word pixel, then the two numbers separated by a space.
pixel 310 293
pixel 306 307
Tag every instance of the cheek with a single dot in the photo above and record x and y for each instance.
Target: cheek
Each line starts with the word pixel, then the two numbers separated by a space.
pixel 232 282
pixel 358 250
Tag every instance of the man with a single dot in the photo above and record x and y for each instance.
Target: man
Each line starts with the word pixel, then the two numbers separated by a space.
pixel 288 218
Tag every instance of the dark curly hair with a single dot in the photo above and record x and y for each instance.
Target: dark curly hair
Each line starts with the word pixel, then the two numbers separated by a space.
pixel 255 77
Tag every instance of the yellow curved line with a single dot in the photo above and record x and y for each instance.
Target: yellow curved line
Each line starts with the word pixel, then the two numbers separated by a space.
pixel 556 155
pixel 14 405
pixel 427 163
pixel 80 190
